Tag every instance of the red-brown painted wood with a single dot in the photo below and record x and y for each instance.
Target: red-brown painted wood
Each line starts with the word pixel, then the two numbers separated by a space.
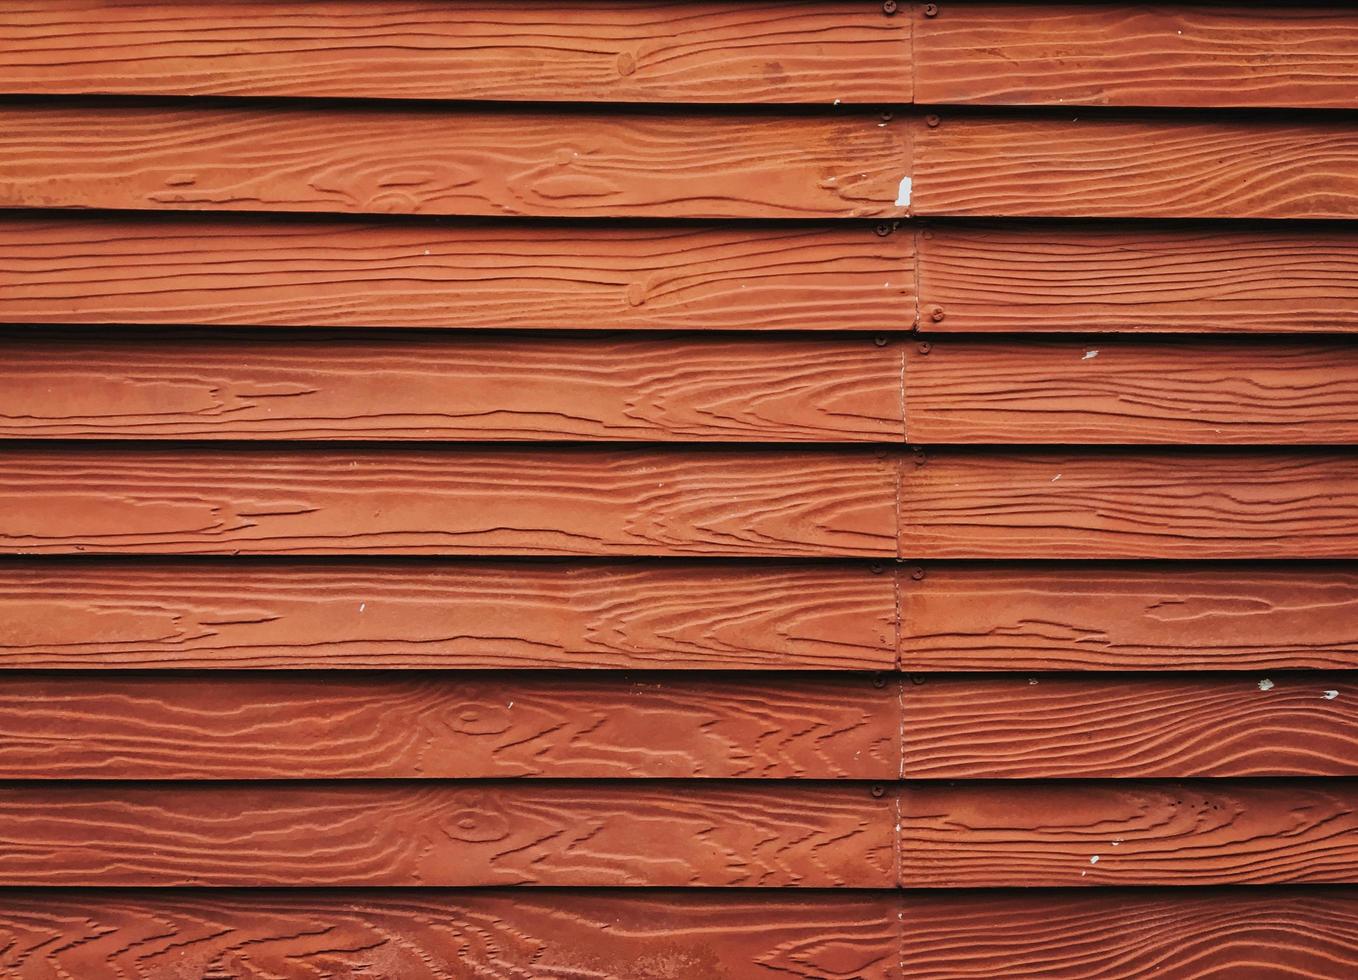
pixel 400 834
pixel 244 271
pixel 1174 617
pixel 1127 54
pixel 423 386
pixel 243 613
pixel 455 161
pixel 433 726
pixel 1130 504
pixel 545 501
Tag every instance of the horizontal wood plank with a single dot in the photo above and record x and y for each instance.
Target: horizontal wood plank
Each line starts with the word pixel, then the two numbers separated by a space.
pixel 979 277
pixel 433 726
pixel 424 386
pixel 427 934
pixel 402 834
pixel 1093 165
pixel 1120 392
pixel 1137 727
pixel 239 271
pixel 1178 617
pixel 1124 934
pixel 1195 54
pixel 245 613
pixel 1131 504
pixel 544 501
pixel 451 161
pixel 578 51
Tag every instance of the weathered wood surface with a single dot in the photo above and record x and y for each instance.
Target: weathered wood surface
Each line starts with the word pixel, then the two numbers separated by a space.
pixel 1130 727
pixel 438 935
pixel 1174 617
pixel 469 726
pixel 455 161
pixel 1195 54
pixel 401 834
pixel 1302 932
pixel 578 51
pixel 544 501
pixel 1138 277
pixel 1094 165
pixel 1130 504
pixel 234 270
pixel 1108 833
pixel 243 613
pixel 1121 392
pixel 427 386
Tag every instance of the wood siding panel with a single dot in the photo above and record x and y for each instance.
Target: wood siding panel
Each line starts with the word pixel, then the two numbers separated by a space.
pixel 400 834
pixel 225 613
pixel 1139 55
pixel 434 726
pixel 421 386
pixel 1138 277
pixel 243 271
pixel 1137 727
pixel 1073 833
pixel 1127 504
pixel 1179 617
pixel 545 501
pixel 578 51
pixel 1074 392
pixel 1094 165
pixel 454 161
pixel 431 934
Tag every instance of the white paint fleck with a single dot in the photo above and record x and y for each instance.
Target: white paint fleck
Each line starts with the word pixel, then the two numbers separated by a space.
pixel 1090 355
pixel 362 606
pixel 426 251
pixel 1114 843
pixel 903 195
pixel 836 102
pixel 1330 695
pixel 1056 477
pixel 1094 859
pixel 1265 685
pixel 511 704
pixel 1083 873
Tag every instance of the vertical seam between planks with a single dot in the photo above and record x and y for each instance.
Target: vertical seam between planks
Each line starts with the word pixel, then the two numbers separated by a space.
pixel 905 416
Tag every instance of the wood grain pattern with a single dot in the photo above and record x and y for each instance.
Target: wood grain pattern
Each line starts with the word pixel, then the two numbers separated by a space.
pixel 428 726
pixel 1139 55
pixel 579 51
pixel 546 501
pixel 1124 934
pixel 242 271
pixel 443 935
pixel 247 613
pixel 1130 392
pixel 423 386
pixel 1130 727
pixel 1121 277
pixel 367 159
pixel 1097 165
pixel 1074 833
pixel 401 834
pixel 1175 617
pixel 1128 504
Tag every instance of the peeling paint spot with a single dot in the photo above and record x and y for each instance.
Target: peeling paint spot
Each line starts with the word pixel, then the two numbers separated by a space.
pixel 1330 695
pixel 1094 859
pixel 1090 355
pixel 903 195
pixel 1265 685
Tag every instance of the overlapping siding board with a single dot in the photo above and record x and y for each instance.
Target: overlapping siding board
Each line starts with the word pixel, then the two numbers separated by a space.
pixel 700 490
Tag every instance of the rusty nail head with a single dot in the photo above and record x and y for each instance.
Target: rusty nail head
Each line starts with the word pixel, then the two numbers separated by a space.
pixel 925 347
pixel 879 680
pixel 883 229
pixel 879 791
pixel 879 340
pixel 936 314
pixel 931 10
pixel 917 679
pixel 889 7
pixel 917 573
pixel 932 120
pixel 888 115
pixel 877 568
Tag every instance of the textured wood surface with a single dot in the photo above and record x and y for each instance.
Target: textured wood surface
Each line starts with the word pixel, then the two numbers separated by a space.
pixel 1139 277
pixel 452 161
pixel 548 501
pixel 1139 55
pixel 1131 504
pixel 1176 617
pixel 229 269
pixel 393 833
pixel 429 935
pixel 1124 934
pixel 1130 727
pixel 1083 391
pixel 469 726
pixel 425 386
pixel 231 613
pixel 579 51
pixel 1095 165
pixel 1076 833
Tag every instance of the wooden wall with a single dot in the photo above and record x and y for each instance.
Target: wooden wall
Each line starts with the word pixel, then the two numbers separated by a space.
pixel 681 490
